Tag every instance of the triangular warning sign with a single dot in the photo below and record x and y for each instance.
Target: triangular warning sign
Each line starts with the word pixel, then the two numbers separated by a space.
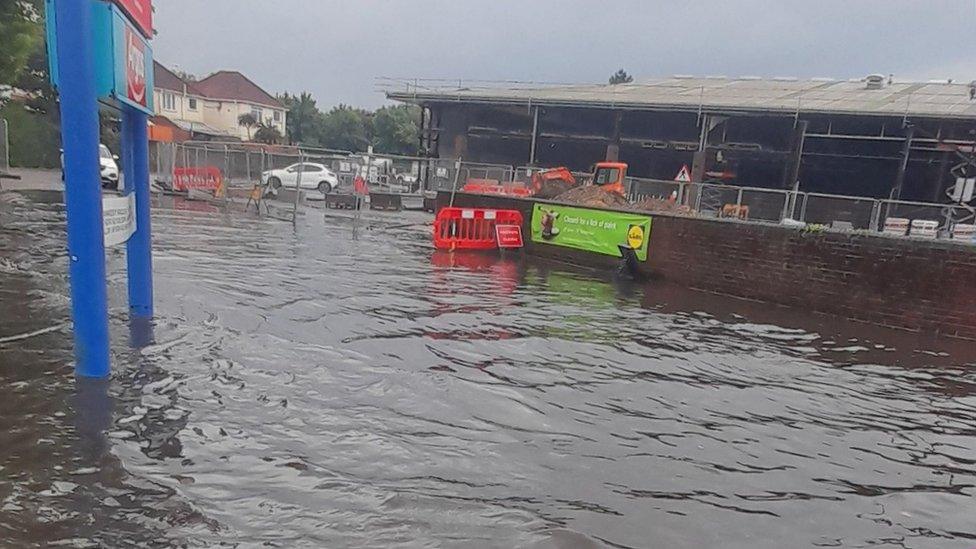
pixel 684 175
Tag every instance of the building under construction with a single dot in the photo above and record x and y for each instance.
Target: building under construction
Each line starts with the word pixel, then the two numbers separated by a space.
pixel 868 137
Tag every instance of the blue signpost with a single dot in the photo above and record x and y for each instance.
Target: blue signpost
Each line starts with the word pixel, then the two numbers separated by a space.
pixel 97 54
pixel 139 246
pixel 82 187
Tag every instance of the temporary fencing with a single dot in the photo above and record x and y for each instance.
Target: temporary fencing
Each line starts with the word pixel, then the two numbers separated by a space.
pixel 777 205
pixel 471 228
pixel 243 164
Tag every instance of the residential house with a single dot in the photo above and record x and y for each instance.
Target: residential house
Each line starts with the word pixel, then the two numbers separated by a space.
pixel 210 108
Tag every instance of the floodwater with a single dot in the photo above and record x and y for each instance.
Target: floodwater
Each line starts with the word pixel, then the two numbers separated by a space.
pixel 338 384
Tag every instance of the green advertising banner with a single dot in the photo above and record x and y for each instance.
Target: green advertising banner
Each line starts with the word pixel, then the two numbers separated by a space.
pixel 596 231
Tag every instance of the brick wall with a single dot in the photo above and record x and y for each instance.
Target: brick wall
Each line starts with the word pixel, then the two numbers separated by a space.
pixel 918 285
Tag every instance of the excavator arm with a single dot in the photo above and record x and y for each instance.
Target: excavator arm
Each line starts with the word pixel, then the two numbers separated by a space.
pixel 552 182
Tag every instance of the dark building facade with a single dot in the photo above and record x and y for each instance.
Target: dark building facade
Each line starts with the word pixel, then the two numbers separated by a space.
pixel 871 137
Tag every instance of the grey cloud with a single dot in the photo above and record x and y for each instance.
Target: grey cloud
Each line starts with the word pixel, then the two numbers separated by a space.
pixel 335 49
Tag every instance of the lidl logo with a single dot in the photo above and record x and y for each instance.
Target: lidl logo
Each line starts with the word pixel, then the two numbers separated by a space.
pixel 635 236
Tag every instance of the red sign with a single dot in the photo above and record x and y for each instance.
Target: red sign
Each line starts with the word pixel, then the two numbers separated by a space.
pixel 140 13
pixel 135 68
pixel 509 236
pixel 208 177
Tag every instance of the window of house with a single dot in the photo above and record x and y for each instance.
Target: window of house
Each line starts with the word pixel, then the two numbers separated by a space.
pixel 277 116
pixel 192 104
pixel 257 114
pixel 169 102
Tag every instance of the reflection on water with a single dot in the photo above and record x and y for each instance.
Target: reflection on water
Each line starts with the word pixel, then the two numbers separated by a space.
pixel 304 388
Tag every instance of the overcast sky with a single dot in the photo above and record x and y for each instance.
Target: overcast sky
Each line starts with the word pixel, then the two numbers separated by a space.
pixel 336 49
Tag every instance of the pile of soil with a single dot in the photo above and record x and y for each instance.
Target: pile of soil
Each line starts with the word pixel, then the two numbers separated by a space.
pixel 661 205
pixel 552 189
pixel 593 196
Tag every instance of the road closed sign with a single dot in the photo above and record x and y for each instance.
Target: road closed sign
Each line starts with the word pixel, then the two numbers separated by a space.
pixel 118 218
pixel 508 236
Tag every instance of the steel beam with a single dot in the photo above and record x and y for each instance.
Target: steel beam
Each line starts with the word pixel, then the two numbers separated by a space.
pixel 906 153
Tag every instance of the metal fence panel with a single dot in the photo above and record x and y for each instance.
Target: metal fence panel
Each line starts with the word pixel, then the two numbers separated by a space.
pixel 710 199
pixel 836 210
pixel 913 210
pixel 502 174
pixel 764 205
pixel 523 174
pixel 441 175
pixel 638 189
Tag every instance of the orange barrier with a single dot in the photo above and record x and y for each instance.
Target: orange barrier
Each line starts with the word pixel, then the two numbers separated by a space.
pixel 471 228
pixel 492 186
pixel 207 177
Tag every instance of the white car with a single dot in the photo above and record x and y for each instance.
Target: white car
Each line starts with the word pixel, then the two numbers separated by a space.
pixel 314 176
pixel 108 169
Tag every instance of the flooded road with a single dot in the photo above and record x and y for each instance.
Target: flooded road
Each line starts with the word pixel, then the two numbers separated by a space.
pixel 339 384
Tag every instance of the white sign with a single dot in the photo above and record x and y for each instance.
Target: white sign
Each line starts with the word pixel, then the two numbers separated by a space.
pixel 345 167
pixel 683 175
pixel 118 218
pixel 441 172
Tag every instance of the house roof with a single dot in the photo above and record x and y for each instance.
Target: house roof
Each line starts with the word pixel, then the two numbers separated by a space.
pixel 235 86
pixel 175 133
pixel 168 80
pixel 746 94
pixel 228 85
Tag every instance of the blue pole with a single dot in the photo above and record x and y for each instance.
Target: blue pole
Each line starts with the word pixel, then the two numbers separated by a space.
pixel 126 152
pixel 135 140
pixel 82 187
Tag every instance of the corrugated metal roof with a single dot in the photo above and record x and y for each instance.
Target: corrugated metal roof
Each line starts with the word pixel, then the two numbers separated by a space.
pixel 200 127
pixel 938 100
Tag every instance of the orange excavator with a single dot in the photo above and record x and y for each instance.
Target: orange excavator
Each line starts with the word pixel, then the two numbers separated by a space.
pixel 610 176
pixel 553 182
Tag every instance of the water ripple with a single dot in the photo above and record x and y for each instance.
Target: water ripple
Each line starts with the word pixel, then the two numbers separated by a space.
pixel 337 384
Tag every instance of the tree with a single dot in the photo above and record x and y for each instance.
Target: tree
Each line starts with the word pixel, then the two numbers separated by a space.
pixel 33 120
pixel 34 139
pixel 302 117
pixel 267 133
pixel 248 121
pixel 345 128
pixel 189 77
pixel 395 129
pixel 35 83
pixel 390 130
pixel 20 31
pixel 621 77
